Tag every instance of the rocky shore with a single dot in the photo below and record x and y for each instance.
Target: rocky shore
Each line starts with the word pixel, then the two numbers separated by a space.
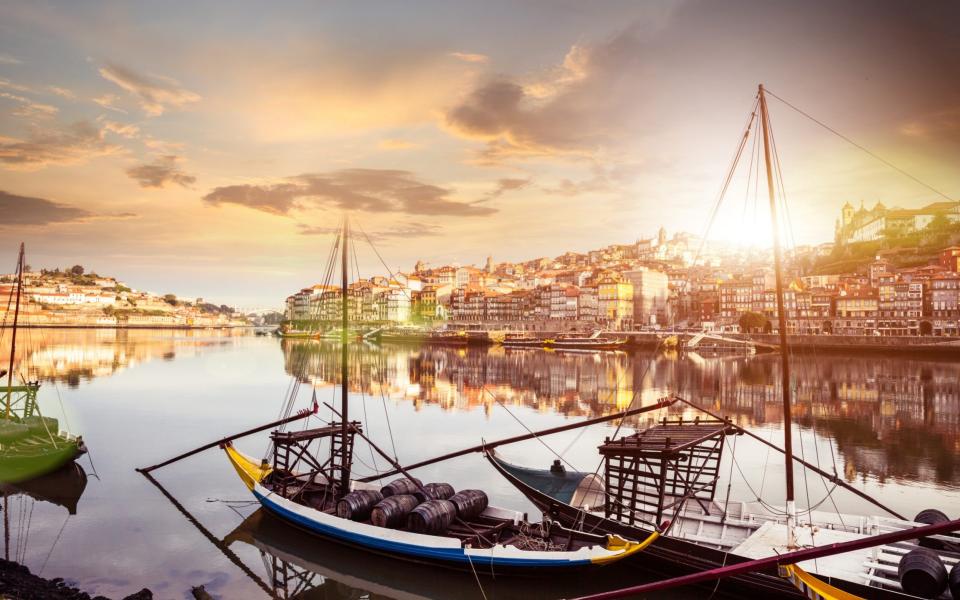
pixel 18 583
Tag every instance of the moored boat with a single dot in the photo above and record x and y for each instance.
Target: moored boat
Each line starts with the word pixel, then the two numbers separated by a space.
pixel 406 519
pixel 670 471
pixel 31 445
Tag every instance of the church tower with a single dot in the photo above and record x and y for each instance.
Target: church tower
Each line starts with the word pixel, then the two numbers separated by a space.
pixel 847 214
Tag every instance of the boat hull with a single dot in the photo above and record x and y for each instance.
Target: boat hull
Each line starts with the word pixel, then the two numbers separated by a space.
pixel 438 550
pixel 34 457
pixel 673 556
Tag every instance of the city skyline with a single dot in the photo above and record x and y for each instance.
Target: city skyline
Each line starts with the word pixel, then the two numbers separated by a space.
pixel 211 154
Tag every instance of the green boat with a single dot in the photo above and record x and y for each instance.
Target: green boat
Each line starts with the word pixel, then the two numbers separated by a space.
pixel 31 445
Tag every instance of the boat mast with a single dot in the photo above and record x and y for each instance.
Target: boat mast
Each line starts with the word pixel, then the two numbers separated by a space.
pixel 13 343
pixel 344 321
pixel 782 324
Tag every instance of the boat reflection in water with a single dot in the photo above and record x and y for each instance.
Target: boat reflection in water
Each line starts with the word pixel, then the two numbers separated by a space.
pixel 62 487
pixel 300 566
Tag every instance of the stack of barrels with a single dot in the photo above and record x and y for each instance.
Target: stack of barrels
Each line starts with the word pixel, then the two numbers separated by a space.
pixel 423 508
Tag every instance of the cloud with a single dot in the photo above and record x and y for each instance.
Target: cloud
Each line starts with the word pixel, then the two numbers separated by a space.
pixel 403 230
pixel 62 92
pixel 26 210
pixel 371 190
pixel 160 172
pixel 156 94
pixel 28 108
pixel 939 125
pixel 9 85
pixel 470 58
pixel 505 185
pixel 126 130
pixel 108 101
pixel 75 143
pixel 585 106
pixel 6 59
pixel 395 144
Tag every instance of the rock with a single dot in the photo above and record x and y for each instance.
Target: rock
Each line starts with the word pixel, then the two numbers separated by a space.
pixel 200 593
pixel 16 581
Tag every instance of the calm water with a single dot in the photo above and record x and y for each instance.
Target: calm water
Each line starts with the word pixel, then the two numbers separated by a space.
pixel 890 426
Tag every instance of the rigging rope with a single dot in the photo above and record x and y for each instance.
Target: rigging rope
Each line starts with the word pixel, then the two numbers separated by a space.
pixel 862 148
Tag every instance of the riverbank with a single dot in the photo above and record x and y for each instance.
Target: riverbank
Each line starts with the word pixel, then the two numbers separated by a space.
pixel 190 327
pixel 649 340
pixel 18 583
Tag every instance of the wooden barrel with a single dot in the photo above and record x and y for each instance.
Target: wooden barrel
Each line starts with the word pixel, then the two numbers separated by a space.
pixel 433 516
pixel 931 516
pixel 401 486
pixel 469 503
pixel 954 581
pixel 438 491
pixel 393 511
pixel 357 505
pixel 922 573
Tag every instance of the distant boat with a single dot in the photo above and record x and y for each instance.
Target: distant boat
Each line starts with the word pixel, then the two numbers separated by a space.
pixel 412 335
pixel 406 519
pixel 596 341
pixel 31 445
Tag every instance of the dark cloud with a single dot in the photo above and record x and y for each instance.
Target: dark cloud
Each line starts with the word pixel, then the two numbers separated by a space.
pixel 75 143
pixel 26 210
pixel 156 94
pixel 586 105
pixel 371 190
pixel 505 185
pixel 403 230
pixel 160 172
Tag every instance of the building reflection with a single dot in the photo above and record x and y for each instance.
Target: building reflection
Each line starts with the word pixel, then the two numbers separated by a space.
pixel 885 416
pixel 73 355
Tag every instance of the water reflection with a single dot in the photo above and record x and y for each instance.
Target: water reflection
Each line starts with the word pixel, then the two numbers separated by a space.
pixel 887 416
pixel 70 356
pixel 299 566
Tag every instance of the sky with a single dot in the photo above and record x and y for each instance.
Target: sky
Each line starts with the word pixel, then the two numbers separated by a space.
pixel 209 149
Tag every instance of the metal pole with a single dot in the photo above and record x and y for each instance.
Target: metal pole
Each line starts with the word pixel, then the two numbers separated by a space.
pixel 13 342
pixel 300 415
pixel 782 323
pixel 662 403
pixel 344 370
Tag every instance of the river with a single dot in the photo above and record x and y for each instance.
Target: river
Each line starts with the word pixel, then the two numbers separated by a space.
pixel 888 425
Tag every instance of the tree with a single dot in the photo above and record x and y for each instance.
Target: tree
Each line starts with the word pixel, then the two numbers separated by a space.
pixel 76 270
pixel 939 224
pixel 170 299
pixel 752 321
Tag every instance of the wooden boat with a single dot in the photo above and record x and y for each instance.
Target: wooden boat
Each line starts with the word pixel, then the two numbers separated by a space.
pixel 521 340
pixel 302 566
pixel 422 523
pixel 592 342
pixel 596 341
pixel 31 445
pixel 669 472
pixel 420 336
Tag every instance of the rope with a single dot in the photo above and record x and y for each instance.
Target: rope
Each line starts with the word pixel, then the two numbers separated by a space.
pixel 54 545
pixel 475 576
